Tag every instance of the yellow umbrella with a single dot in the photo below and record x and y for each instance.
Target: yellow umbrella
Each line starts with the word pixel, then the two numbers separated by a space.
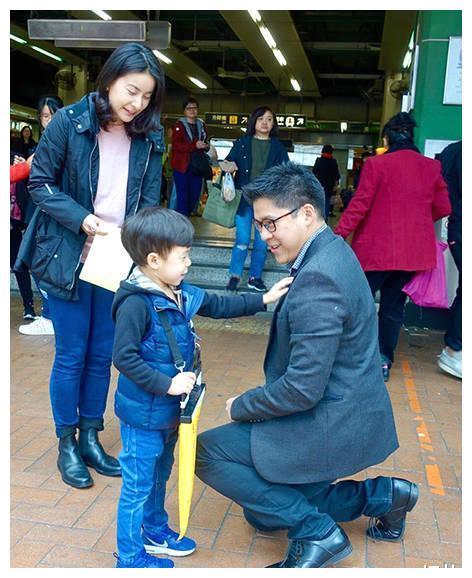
pixel 190 413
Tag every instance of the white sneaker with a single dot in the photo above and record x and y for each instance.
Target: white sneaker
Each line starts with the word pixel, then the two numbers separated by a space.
pixel 451 363
pixel 40 326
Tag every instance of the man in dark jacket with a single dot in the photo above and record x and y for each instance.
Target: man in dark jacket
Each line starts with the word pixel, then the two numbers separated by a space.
pixel 450 359
pixel 327 172
pixel 324 412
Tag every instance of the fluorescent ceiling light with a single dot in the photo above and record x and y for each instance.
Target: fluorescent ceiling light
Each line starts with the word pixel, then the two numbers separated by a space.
pixel 268 36
pixel 162 57
pixel 407 59
pixel 412 41
pixel 280 57
pixel 46 53
pixel 255 15
pixel 103 15
pixel 197 82
pixel 295 84
pixel 17 39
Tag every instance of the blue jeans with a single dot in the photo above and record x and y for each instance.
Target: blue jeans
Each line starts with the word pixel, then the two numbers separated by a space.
pixel 307 511
pixel 188 187
pixel 80 375
pixel 146 459
pixel 244 223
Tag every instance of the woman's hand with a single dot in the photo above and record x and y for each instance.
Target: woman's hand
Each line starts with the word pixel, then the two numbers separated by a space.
pixel 182 383
pixel 277 290
pixel 228 166
pixel 91 225
pixel 17 160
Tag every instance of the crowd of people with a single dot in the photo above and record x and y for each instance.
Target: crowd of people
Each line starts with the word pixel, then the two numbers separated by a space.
pixel 324 411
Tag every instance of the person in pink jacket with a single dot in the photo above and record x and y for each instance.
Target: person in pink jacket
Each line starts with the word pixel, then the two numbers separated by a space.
pixel 391 216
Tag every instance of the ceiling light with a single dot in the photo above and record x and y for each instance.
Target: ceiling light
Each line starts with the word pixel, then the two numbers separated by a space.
pixel 255 15
pixel 280 57
pixel 16 39
pixel 268 36
pixel 103 15
pixel 407 59
pixel 197 82
pixel 46 53
pixel 162 57
pixel 295 84
pixel 412 41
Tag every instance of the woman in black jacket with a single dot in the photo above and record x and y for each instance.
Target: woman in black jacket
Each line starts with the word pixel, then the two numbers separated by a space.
pixel 98 162
pixel 258 150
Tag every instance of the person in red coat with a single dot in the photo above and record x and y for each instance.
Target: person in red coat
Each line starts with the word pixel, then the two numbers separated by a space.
pixel 400 195
pixel 188 135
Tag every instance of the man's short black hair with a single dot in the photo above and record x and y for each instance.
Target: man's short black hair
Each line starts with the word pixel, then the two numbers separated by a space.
pixel 155 230
pixel 288 186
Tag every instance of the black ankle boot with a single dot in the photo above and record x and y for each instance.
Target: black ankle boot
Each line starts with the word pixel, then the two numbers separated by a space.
pixel 71 465
pixel 94 455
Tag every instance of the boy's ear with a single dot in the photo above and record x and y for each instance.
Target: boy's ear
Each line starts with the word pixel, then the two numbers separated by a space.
pixel 153 260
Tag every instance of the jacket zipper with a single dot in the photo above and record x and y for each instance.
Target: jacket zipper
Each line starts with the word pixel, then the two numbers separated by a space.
pixel 71 286
pixel 142 180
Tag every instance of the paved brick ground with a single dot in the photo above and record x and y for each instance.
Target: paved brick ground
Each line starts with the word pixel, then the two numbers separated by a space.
pixel 53 525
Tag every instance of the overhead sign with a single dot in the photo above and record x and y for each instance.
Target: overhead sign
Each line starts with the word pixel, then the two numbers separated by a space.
pixel 238 119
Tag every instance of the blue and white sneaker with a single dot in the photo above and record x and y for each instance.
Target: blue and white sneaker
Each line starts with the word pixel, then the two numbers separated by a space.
pixel 143 560
pixel 166 542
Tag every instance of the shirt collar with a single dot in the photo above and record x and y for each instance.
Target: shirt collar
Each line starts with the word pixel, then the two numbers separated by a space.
pixel 295 265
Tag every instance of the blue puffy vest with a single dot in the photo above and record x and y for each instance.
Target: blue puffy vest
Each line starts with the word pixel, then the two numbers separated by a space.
pixel 134 405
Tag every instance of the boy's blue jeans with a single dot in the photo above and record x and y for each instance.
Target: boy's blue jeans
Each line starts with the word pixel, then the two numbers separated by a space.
pixel 244 222
pixel 80 376
pixel 146 462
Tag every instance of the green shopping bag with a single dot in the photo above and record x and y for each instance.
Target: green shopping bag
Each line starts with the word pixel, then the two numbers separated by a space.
pixel 217 210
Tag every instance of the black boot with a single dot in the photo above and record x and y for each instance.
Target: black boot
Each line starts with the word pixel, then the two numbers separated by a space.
pixel 71 465
pixel 94 455
pixel 317 553
pixel 390 527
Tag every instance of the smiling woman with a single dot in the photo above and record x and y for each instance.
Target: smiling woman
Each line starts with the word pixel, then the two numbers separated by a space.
pixel 98 162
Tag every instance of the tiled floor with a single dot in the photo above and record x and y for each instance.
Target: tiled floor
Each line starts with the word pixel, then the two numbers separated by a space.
pixel 53 525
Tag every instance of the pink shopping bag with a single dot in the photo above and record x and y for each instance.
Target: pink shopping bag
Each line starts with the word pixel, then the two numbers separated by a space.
pixel 428 288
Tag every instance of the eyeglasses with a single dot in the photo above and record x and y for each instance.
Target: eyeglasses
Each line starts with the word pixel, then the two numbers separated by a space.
pixel 269 224
pixel 191 108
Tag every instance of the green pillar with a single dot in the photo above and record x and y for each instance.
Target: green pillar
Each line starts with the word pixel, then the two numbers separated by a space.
pixel 435 119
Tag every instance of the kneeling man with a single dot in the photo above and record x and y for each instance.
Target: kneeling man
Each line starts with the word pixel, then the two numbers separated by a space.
pixel 324 412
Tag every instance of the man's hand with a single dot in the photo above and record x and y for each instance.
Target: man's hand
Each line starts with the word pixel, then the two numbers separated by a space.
pixel 229 403
pixel 182 383
pixel 201 144
pixel 277 290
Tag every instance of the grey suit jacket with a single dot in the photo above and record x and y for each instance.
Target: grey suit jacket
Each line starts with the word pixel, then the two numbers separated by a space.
pixel 324 411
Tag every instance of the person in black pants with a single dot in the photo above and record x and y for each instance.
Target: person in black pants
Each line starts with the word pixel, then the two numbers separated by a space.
pixel 327 172
pixel 323 411
pixel 450 359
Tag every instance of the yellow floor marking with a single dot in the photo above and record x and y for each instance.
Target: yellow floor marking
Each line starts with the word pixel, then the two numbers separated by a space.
pixel 433 473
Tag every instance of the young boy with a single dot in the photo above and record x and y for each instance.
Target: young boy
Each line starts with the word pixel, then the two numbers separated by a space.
pixel 150 386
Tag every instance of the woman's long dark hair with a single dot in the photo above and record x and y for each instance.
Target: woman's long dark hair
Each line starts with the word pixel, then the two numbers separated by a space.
pixel 255 114
pixel 399 132
pixel 130 58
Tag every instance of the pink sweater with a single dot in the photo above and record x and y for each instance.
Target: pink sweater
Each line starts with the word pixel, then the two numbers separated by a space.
pixel 110 200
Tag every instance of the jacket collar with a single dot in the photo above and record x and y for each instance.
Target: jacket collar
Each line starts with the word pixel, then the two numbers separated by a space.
pixel 320 241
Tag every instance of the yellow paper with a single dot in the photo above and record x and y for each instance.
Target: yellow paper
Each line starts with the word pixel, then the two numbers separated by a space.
pixel 108 262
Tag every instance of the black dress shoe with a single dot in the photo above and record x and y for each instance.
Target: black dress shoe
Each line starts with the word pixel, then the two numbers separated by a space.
pixel 317 553
pixel 94 455
pixel 71 465
pixel 390 527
